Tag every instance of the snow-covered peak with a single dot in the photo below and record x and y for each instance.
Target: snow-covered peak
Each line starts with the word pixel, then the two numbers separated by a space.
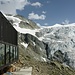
pixel 59 25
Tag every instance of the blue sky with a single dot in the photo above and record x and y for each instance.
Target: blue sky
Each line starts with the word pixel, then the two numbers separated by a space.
pixel 44 12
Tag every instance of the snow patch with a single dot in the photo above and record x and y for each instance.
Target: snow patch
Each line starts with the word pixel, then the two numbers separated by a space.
pixel 25 45
pixel 44 59
pixel 17 20
pixel 25 31
pixel 65 65
pixel 41 38
pixel 34 43
pixel 40 49
pixel 27 21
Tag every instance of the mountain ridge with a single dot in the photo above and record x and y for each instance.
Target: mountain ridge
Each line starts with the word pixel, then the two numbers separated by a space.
pixel 45 44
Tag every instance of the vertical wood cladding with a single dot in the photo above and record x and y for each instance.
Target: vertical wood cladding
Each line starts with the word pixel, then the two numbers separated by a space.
pixel 7 32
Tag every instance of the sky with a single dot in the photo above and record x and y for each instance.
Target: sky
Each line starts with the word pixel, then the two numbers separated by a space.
pixel 43 12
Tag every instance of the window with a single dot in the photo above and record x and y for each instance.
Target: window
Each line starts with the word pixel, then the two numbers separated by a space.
pixel 11 53
pixel 2 49
pixel 7 53
pixel 16 53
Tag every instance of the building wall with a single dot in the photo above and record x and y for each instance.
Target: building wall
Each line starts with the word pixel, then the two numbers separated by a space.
pixel 8 43
pixel 7 32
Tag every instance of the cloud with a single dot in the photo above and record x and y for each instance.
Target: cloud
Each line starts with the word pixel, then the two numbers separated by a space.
pixel 10 6
pixel 36 16
pixel 46 24
pixel 44 12
pixel 66 22
pixel 36 4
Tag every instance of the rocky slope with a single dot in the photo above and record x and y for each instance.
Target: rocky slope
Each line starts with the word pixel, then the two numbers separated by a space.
pixel 51 47
pixel 22 21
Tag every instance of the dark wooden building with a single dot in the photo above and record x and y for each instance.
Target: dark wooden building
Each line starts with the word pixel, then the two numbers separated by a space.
pixel 8 42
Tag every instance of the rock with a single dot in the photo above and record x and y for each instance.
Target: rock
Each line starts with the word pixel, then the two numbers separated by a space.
pixel 59 56
pixel 26 23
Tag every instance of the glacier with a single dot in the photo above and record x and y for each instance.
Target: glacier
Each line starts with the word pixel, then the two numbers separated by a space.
pixel 60 38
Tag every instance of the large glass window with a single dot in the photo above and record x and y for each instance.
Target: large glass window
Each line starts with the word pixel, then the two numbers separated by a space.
pixel 7 54
pixel 16 53
pixel 13 53
pixel 2 49
pixel 11 47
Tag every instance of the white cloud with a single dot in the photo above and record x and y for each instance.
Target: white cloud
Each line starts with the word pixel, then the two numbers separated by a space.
pixel 66 22
pixel 36 16
pixel 44 12
pixel 36 4
pixel 46 24
pixel 10 6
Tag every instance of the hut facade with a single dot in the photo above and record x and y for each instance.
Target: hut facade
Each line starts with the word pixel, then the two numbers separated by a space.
pixel 8 42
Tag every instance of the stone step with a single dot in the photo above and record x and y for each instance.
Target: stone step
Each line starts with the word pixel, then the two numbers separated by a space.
pixel 26 71
pixel 22 73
